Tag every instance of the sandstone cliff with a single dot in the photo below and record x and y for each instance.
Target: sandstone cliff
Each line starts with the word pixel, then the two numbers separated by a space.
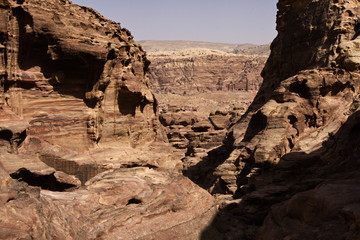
pixel 301 132
pixel 202 70
pixel 310 85
pixel 79 121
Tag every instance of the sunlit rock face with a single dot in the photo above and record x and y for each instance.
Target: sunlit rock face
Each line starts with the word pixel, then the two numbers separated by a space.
pixel 137 203
pixel 203 70
pixel 75 73
pixel 80 126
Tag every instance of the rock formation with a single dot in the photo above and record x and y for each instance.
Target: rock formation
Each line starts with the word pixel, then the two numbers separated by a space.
pixel 309 89
pixel 83 154
pixel 138 203
pixel 203 70
pixel 297 144
pixel 79 129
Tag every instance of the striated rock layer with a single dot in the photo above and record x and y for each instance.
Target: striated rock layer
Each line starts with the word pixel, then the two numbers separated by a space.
pixel 309 89
pixel 301 132
pixel 79 121
pixel 202 70
pixel 74 73
pixel 138 203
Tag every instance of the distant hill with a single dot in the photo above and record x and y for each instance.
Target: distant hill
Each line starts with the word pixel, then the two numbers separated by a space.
pixel 174 46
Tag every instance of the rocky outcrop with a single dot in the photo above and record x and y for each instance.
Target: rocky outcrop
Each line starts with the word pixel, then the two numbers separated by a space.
pixel 308 92
pixel 300 133
pixel 80 126
pixel 96 81
pixel 331 208
pixel 202 70
pixel 198 123
pixel 139 203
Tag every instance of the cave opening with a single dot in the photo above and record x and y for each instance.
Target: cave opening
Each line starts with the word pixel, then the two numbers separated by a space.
pixel 300 88
pixel 311 120
pixel 133 201
pixel 6 135
pixel 128 101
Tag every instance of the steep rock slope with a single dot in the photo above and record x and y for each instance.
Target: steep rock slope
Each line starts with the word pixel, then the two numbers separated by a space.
pixel 297 144
pixel 79 120
pixel 310 84
pixel 92 73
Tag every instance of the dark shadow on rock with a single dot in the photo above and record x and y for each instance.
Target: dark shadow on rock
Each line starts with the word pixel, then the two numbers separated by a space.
pixel 48 182
pixel 295 173
pixel 203 173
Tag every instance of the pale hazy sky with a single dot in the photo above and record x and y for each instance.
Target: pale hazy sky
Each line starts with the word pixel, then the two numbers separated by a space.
pixel 227 21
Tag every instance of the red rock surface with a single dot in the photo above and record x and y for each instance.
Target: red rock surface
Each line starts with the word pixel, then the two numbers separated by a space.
pixel 79 129
pixel 138 203
pixel 303 100
pixel 202 70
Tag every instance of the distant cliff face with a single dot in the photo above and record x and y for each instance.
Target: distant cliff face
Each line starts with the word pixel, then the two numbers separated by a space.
pixel 198 71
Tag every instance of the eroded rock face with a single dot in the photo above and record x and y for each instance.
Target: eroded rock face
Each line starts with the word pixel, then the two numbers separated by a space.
pixel 308 92
pixel 87 68
pixel 203 70
pixel 80 125
pixel 301 132
pixel 138 203
pixel 74 81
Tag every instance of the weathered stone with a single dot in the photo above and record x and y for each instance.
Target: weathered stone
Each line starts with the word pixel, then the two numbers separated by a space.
pixel 80 131
pixel 203 70
pixel 293 157
pixel 307 97
pixel 137 203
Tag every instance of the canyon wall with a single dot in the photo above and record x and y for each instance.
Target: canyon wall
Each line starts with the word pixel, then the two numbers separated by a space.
pixel 310 82
pixel 88 68
pixel 80 131
pixel 292 158
pixel 195 71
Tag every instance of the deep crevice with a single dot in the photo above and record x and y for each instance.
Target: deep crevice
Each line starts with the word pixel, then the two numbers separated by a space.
pixel 334 89
pixel 203 173
pixel 357 30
